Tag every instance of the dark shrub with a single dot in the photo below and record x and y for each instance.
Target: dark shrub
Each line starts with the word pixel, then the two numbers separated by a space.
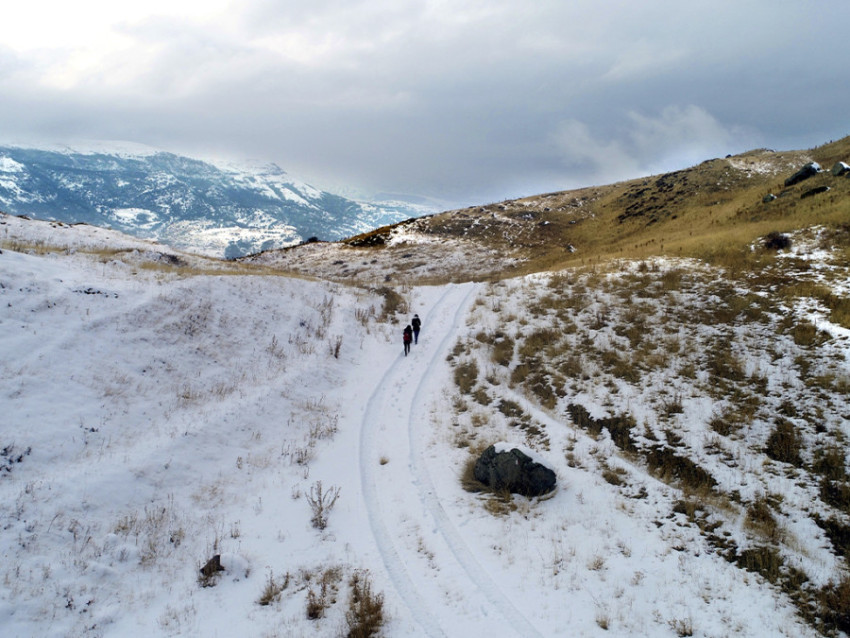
pixel 619 427
pixel 670 466
pixel 503 350
pixel 838 534
pixel 835 604
pixel 760 518
pixel 829 463
pixel 835 493
pixel 762 560
pixel 466 376
pixel 510 408
pixel 777 241
pixel 784 443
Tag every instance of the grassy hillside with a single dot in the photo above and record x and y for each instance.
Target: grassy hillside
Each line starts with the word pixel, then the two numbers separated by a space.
pixel 713 212
pixel 701 211
pixel 721 373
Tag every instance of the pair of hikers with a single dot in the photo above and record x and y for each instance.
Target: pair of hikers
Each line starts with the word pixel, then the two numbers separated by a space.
pixel 411 333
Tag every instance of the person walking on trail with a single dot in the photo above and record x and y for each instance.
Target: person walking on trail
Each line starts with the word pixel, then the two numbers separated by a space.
pixel 417 324
pixel 407 337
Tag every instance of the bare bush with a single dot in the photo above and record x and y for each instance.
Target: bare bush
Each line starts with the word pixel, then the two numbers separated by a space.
pixel 334 346
pixel 682 626
pixel 317 603
pixel 365 315
pixel 158 532
pixel 326 309
pixel 321 503
pixel 274 349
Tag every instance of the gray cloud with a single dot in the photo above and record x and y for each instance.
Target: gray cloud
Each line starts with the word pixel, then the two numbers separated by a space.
pixel 465 102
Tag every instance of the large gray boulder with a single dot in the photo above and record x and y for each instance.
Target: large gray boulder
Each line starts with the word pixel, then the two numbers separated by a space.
pixel 810 169
pixel 840 168
pixel 514 471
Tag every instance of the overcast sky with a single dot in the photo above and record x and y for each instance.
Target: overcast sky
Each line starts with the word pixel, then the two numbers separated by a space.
pixel 463 101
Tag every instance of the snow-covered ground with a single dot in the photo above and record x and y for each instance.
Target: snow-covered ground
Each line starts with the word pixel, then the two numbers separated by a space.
pixel 150 422
pixel 408 257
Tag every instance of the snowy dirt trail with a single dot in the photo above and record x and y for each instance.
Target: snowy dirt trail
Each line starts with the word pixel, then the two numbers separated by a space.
pixel 434 572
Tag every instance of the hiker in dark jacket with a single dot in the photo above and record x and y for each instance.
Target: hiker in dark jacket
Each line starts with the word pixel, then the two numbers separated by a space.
pixel 407 337
pixel 417 324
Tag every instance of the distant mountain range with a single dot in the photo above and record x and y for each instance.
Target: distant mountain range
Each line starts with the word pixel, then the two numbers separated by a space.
pixel 204 207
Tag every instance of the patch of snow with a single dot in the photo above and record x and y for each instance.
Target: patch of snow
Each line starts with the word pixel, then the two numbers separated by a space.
pixel 139 217
pixel 12 186
pixel 8 165
pixel 292 196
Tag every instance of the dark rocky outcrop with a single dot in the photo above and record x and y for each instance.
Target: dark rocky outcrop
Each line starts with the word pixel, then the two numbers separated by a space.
pixel 810 169
pixel 814 191
pixel 212 567
pixel 514 471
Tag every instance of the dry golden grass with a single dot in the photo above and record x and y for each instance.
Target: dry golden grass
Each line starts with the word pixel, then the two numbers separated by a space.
pixel 713 212
pixel 760 519
pixel 365 615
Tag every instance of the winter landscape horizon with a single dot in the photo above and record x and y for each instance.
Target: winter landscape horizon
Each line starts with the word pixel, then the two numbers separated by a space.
pixel 625 228
pixel 198 446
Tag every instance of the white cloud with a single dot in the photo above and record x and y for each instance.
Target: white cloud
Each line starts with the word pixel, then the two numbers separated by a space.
pixel 451 98
pixel 603 159
pixel 683 135
pixel 677 137
pixel 90 24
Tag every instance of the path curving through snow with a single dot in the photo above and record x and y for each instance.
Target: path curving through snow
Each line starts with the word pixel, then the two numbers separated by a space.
pixel 433 570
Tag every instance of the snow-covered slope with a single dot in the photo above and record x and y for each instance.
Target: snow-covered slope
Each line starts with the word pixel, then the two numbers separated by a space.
pixel 152 421
pixel 223 210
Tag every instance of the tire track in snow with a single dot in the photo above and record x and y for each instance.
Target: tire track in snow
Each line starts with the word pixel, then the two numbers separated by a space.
pixel 460 550
pixel 379 408
pixel 368 478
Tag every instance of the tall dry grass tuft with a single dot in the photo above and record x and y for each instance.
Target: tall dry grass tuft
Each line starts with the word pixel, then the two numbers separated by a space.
pixel 365 615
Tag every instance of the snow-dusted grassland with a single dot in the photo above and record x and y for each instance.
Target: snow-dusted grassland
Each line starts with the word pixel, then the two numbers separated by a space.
pixel 153 419
pixel 717 412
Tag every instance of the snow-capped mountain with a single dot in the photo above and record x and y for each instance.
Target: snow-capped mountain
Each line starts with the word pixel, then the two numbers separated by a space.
pixel 214 209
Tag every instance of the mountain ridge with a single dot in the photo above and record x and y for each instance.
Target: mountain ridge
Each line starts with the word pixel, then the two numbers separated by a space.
pixel 221 209
pixel 712 211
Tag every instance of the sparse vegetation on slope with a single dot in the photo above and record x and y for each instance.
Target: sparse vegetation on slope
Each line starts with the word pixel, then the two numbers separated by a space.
pixel 724 383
